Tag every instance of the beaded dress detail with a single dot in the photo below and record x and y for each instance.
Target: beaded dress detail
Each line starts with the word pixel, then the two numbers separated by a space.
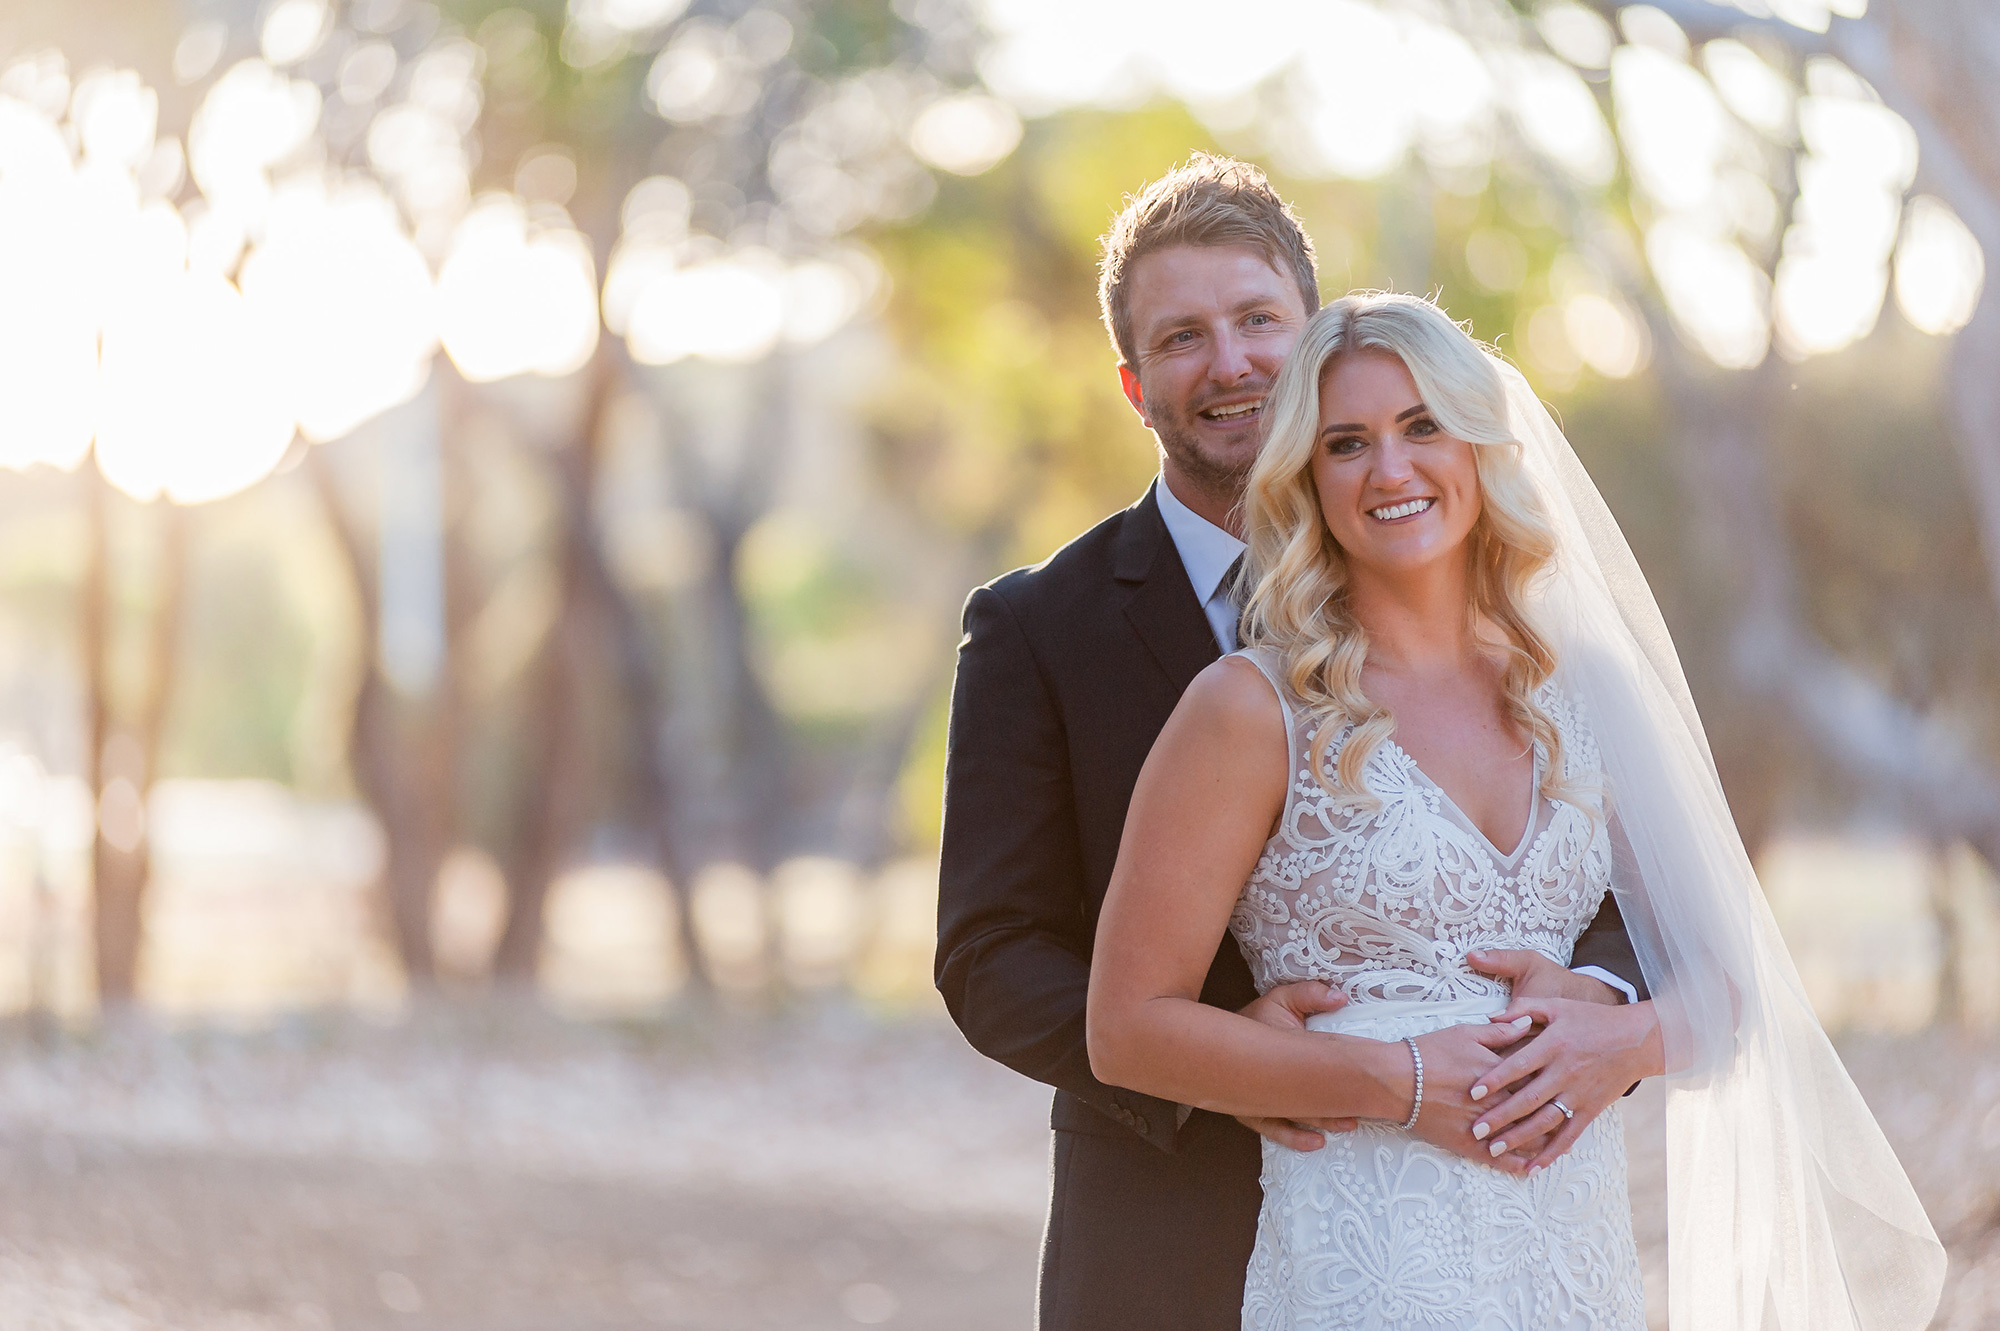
pixel 1378 1229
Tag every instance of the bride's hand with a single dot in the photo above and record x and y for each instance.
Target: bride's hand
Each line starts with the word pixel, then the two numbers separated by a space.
pixel 1585 1054
pixel 1456 1058
pixel 1286 1007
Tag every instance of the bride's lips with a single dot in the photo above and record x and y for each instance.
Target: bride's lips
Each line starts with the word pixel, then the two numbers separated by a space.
pixel 1403 510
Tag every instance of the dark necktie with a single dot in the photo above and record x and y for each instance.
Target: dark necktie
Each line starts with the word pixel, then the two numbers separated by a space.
pixel 1238 594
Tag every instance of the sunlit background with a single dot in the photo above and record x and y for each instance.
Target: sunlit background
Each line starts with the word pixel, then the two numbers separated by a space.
pixel 488 493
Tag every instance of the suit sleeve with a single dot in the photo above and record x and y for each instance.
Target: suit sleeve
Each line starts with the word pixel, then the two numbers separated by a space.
pixel 1605 943
pixel 1013 955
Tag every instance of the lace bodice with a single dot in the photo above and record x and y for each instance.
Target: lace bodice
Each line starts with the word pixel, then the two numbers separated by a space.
pixel 1379 1230
pixel 1385 903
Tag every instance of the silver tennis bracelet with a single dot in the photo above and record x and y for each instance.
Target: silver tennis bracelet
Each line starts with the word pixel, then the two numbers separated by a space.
pixel 1417 1104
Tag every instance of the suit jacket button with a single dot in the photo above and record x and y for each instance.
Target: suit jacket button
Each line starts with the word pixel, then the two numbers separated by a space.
pixel 1145 1129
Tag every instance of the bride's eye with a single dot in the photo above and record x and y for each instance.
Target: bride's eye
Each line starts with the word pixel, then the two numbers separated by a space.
pixel 1346 445
pixel 1423 427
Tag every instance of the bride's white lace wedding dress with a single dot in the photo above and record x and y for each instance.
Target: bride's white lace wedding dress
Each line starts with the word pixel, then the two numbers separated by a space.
pixel 1378 1229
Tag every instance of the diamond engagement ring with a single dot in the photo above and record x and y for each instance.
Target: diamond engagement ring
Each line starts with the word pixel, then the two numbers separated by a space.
pixel 1567 1112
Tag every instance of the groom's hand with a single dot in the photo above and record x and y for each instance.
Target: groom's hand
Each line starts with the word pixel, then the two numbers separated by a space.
pixel 1287 1006
pixel 1531 975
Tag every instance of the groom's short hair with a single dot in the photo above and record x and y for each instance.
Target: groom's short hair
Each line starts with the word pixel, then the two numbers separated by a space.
pixel 1209 201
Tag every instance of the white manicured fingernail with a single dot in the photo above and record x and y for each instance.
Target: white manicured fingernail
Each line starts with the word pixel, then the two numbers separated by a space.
pixel 1480 1131
pixel 1521 1023
pixel 1479 1092
pixel 1498 1148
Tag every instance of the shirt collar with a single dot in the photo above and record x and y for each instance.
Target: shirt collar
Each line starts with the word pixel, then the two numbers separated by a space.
pixel 1206 550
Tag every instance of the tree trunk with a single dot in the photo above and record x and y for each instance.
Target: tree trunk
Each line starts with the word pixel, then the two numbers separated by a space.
pixel 1944 902
pixel 555 775
pixel 1920 765
pixel 401 755
pixel 556 768
pixel 124 759
pixel 633 652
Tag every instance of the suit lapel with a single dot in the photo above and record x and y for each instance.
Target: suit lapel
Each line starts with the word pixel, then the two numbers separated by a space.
pixel 1160 603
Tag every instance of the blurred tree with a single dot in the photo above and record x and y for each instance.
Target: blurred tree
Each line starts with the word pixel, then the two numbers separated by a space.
pixel 1892 735
pixel 123 742
pixel 724 111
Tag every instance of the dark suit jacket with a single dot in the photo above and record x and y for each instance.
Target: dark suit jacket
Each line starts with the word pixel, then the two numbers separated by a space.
pixel 1066 674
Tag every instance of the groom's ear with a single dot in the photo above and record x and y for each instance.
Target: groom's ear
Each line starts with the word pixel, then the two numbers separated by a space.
pixel 1128 379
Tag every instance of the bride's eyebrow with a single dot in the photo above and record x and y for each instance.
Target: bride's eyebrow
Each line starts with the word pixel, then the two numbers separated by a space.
pixel 1401 416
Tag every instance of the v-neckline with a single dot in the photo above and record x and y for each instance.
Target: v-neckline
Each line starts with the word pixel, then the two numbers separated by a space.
pixel 1534 806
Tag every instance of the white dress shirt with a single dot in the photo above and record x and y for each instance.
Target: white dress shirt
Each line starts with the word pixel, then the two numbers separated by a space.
pixel 1206 552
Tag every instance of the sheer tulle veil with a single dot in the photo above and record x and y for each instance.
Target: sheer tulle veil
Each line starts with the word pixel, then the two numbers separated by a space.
pixel 1786 1206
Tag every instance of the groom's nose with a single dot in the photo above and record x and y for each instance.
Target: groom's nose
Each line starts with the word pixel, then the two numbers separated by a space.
pixel 1232 361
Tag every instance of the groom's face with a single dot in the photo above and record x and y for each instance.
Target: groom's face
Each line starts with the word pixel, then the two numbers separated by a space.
pixel 1210 325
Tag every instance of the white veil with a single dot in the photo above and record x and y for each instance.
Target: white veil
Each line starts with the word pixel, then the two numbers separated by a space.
pixel 1787 1209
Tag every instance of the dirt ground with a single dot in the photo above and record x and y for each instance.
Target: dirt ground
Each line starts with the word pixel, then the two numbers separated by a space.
pixel 490 1170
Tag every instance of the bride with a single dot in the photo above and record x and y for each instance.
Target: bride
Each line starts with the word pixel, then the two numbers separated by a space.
pixel 1457 724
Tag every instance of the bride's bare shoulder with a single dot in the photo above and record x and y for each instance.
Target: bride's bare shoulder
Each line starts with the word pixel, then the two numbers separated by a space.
pixel 1233 699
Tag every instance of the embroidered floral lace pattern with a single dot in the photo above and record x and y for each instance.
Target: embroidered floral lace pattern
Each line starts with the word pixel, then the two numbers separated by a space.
pixel 1379 1229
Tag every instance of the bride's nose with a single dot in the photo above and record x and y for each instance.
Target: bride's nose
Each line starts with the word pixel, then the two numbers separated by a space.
pixel 1392 467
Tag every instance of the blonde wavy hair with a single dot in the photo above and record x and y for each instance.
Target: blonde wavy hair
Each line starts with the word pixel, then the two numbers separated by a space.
pixel 1299 609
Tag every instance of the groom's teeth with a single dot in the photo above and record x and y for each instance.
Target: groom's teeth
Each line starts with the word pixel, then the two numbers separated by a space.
pixel 1231 412
pixel 1395 511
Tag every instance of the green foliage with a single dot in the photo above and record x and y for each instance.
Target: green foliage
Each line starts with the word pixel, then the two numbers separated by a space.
pixel 245 653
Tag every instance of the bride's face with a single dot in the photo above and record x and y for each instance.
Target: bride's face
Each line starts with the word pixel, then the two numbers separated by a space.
pixel 1397 492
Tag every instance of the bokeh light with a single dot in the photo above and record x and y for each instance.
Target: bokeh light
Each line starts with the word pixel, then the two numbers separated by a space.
pixel 192 404
pixel 1940 270
pixel 48 330
pixel 515 299
pixel 251 119
pixel 115 115
pixel 292 30
pixel 1578 35
pixel 1834 271
pixel 345 299
pixel 1673 127
pixel 1718 297
pixel 1759 95
pixel 1606 334
pixel 966 134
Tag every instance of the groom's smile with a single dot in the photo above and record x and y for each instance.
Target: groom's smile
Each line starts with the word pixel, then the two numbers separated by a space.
pixel 1235 413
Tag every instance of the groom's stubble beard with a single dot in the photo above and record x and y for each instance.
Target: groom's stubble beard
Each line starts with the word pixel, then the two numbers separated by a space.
pixel 1220 477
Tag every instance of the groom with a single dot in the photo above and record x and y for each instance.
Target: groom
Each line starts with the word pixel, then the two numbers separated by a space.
pixel 1066 674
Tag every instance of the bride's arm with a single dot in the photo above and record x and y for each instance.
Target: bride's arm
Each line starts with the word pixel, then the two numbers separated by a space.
pixel 1206 800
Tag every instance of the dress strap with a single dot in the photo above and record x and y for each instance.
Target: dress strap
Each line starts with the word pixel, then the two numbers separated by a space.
pixel 1268 668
